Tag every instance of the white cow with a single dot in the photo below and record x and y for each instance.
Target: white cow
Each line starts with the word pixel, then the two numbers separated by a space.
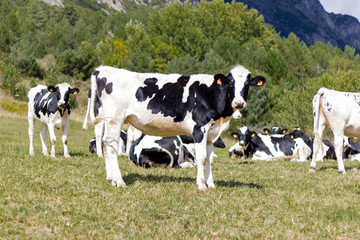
pixel 341 112
pixel 50 105
pixel 167 105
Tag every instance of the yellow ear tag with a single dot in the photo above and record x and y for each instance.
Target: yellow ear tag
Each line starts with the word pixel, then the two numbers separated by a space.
pixel 219 81
pixel 260 83
pixel 51 90
pixel 253 135
pixel 234 135
pixel 284 131
pixel 266 131
pixel 292 136
pixel 75 92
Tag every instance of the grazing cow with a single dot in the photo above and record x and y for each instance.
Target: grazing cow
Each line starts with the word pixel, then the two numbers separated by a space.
pixel 267 147
pixel 50 105
pixel 166 152
pixel 341 112
pixel 167 105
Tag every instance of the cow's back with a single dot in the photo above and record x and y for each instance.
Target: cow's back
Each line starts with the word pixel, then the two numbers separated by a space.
pixel 342 110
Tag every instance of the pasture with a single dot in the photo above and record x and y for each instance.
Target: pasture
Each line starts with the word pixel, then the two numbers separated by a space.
pixel 42 197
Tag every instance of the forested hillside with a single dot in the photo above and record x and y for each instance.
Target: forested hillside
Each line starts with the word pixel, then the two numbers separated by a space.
pixel 47 44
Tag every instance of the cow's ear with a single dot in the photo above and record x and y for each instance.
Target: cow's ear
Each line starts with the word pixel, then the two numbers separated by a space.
pixel 257 81
pixel 74 91
pixel 284 130
pixel 266 130
pixel 220 79
pixel 51 89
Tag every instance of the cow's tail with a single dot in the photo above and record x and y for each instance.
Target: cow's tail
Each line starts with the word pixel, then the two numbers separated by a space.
pixel 84 126
pixel 93 95
pixel 317 114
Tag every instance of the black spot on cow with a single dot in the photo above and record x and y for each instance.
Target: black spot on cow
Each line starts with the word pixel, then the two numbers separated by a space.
pixel 150 88
pixel 205 103
pixel 251 82
pixel 101 84
pixel 285 143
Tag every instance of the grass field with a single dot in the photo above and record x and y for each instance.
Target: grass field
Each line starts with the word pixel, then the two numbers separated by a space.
pixel 46 198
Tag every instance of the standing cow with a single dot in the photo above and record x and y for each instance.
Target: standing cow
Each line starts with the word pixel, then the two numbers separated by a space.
pixel 50 105
pixel 167 105
pixel 341 112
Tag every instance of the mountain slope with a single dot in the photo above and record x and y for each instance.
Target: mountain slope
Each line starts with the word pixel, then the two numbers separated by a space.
pixel 309 21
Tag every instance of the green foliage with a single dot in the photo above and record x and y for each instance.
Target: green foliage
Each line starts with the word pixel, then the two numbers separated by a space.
pixel 61 44
pixel 10 77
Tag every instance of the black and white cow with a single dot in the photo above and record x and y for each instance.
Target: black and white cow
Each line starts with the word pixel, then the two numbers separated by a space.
pixel 275 130
pixel 166 152
pixel 50 105
pixel 267 147
pixel 328 148
pixel 341 112
pixel 352 152
pixel 237 150
pixel 167 105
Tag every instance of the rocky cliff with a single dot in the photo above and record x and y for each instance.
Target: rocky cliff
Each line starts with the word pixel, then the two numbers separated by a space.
pixel 309 21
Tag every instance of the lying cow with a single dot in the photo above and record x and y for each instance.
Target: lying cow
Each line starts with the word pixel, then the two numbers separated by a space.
pixel 154 151
pixel 50 105
pixel 352 152
pixel 267 147
pixel 275 130
pixel 237 150
pixel 167 105
pixel 166 152
pixel 341 112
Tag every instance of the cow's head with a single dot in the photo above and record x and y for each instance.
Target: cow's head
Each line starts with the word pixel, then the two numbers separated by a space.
pixel 62 91
pixel 275 130
pixel 244 136
pixel 298 133
pixel 243 81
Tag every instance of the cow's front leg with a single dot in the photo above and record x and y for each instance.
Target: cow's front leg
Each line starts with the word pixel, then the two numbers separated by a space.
pixel 200 152
pixel 43 133
pixel 64 139
pixel 209 160
pixel 51 128
pixel 110 145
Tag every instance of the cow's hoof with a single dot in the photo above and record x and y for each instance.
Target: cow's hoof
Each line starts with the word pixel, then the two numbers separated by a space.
pixel 202 187
pixel 116 183
pixel 67 155
pixel 211 185
pixel 312 170
pixel 52 155
pixel 341 171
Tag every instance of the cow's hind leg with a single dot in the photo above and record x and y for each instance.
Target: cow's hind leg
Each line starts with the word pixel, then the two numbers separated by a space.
pixel 209 160
pixel 110 145
pixel 43 134
pixel 338 145
pixel 318 154
pixel 99 131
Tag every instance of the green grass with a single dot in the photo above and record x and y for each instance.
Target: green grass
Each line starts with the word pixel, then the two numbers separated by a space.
pixel 42 197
